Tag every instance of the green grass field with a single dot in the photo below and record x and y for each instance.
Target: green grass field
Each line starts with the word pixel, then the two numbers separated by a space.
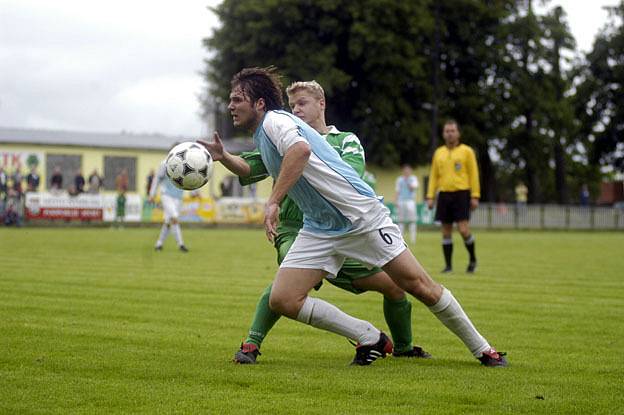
pixel 95 321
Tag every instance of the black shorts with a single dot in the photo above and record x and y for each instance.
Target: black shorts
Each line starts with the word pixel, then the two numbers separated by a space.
pixel 453 206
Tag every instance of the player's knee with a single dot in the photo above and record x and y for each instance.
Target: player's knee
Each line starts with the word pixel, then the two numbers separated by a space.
pixel 284 305
pixel 392 292
pixel 421 287
pixel 278 303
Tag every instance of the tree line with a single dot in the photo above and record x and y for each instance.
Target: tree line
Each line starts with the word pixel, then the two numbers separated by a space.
pixel 532 107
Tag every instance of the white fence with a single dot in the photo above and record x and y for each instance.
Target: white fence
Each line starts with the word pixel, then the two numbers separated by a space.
pixel 547 217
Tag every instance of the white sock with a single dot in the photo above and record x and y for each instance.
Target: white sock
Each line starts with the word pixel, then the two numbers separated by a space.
pixel 402 227
pixel 323 315
pixel 177 232
pixel 164 231
pixel 451 314
pixel 412 229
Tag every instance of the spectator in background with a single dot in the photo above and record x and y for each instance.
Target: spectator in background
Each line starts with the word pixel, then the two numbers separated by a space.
pixel 150 179
pixel 4 183
pixel 521 195
pixel 95 182
pixel 56 180
pixel 405 187
pixel 16 186
pixel 32 180
pixel 4 187
pixel 121 184
pixel 79 181
pixel 11 213
pixel 121 181
pixel 14 198
pixel 584 195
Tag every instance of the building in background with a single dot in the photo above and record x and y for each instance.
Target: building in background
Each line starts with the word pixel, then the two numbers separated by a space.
pixel 107 154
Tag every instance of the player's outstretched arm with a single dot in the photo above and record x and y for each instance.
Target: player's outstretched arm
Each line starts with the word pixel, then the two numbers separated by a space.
pixel 233 163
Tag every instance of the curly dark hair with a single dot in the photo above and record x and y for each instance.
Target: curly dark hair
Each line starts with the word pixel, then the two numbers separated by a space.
pixel 262 83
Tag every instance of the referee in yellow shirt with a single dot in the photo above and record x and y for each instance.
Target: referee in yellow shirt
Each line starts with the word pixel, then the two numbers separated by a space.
pixel 455 175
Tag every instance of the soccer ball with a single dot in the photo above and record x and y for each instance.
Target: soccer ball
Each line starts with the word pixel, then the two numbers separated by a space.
pixel 189 165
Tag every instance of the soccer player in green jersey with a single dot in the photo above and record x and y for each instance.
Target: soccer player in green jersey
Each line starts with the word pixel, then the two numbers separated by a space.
pixel 307 101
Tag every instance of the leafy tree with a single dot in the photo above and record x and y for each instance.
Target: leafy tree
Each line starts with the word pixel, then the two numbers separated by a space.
pixel 541 128
pixel 559 108
pixel 367 55
pixel 468 54
pixel 393 70
pixel 599 98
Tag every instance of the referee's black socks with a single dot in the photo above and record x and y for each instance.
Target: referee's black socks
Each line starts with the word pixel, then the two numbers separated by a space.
pixel 469 242
pixel 447 248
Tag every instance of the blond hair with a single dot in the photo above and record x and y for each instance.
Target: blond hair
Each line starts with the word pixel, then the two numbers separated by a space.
pixel 313 87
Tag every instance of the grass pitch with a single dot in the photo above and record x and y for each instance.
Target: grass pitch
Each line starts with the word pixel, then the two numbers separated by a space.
pixel 95 321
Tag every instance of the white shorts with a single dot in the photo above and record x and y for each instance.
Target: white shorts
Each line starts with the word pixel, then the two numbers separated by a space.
pixel 171 207
pixel 375 248
pixel 406 211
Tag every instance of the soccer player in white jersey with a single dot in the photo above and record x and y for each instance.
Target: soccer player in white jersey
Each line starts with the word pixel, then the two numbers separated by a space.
pixel 342 218
pixel 171 199
pixel 406 185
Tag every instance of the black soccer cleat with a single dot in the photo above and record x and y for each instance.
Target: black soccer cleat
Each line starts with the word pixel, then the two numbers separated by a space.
pixel 183 248
pixel 367 354
pixel 416 352
pixel 247 354
pixel 472 265
pixel 492 358
pixel 447 270
pixel 158 248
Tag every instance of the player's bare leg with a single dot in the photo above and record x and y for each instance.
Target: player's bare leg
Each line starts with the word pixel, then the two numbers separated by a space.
pixel 469 242
pixel 289 297
pixel 447 246
pixel 407 272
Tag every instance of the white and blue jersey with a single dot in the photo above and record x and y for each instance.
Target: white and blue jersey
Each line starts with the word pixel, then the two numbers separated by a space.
pixel 166 186
pixel 406 187
pixel 333 198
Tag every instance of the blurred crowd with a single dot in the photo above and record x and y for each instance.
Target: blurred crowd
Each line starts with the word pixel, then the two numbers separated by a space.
pixel 14 186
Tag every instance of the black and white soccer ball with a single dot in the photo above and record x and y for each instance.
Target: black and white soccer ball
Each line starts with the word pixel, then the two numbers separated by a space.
pixel 189 165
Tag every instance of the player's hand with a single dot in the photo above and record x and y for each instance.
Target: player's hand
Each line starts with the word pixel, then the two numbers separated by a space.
pixel 151 200
pixel 215 148
pixel 271 212
pixel 474 203
pixel 430 203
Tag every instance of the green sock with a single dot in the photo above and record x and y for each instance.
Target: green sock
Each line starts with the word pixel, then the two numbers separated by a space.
pixel 398 314
pixel 264 319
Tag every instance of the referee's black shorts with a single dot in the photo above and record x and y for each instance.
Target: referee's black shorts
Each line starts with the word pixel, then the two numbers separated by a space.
pixel 453 206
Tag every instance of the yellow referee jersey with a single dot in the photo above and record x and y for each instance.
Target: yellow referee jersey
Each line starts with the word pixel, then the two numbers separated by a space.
pixel 454 169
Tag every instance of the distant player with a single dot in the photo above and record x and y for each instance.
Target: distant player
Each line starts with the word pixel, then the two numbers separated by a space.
pixel 455 174
pixel 307 101
pixel 405 187
pixel 171 199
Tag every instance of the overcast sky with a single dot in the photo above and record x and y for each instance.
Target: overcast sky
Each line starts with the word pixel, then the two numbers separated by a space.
pixel 131 65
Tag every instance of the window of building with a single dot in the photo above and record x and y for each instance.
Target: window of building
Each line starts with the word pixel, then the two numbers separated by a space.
pixel 68 164
pixel 113 166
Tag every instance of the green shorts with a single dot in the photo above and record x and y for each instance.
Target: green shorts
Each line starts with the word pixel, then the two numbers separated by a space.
pixel 351 269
